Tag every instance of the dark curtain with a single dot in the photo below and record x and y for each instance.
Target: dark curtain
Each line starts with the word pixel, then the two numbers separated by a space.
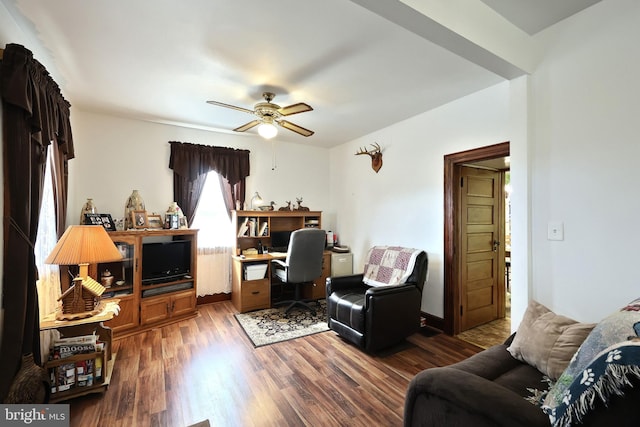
pixel 35 115
pixel 231 193
pixel 190 164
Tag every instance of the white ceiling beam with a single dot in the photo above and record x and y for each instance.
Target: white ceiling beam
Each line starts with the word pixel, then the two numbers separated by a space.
pixel 468 28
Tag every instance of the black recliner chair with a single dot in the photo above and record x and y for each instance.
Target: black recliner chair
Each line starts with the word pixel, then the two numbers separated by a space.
pixel 376 317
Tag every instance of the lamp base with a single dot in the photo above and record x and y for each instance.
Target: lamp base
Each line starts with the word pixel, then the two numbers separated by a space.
pixel 82 315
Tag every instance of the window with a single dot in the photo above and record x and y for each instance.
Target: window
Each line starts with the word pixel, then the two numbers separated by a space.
pixel 48 283
pixel 212 218
pixel 46 240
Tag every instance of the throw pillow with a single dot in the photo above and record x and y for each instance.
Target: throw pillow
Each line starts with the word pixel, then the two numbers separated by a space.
pixel 618 328
pixel 547 340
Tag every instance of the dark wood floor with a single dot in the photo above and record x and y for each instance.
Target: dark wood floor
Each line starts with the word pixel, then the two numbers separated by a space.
pixel 206 368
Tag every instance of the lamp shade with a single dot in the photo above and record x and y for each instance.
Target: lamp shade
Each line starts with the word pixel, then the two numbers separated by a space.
pixel 267 130
pixel 84 244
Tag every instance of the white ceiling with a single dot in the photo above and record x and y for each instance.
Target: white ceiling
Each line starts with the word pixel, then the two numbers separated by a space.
pixel 361 64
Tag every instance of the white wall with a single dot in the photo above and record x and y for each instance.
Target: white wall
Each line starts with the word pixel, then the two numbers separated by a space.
pixel 403 204
pixel 585 159
pixel 115 156
pixel 573 126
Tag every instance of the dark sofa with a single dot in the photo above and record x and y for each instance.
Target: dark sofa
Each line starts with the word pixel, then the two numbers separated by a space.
pixel 489 389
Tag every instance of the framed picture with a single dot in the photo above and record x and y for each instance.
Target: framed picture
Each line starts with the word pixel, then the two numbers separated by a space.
pixel 92 219
pixel 104 220
pixel 155 221
pixel 107 222
pixel 171 221
pixel 183 222
pixel 139 219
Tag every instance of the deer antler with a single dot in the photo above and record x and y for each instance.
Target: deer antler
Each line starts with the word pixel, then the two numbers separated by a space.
pixel 371 153
pixel 375 154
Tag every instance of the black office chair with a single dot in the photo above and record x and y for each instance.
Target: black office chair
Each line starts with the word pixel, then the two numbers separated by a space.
pixel 302 265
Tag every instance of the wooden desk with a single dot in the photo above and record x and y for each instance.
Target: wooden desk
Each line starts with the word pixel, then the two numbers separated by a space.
pixel 86 326
pixel 248 295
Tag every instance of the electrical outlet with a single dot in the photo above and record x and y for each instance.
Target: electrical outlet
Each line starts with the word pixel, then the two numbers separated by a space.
pixel 555 230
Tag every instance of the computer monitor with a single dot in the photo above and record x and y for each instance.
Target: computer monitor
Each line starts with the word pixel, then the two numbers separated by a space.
pixel 280 241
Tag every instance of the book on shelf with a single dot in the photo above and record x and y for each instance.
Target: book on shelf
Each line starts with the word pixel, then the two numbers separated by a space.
pixel 263 229
pixel 243 227
pixel 67 347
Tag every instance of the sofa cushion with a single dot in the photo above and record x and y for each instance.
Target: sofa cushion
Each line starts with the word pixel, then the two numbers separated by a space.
pixel 496 364
pixel 547 340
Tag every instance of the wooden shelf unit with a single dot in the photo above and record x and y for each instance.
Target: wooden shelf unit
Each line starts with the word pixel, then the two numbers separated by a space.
pixel 79 327
pixel 248 295
pixel 275 221
pixel 137 311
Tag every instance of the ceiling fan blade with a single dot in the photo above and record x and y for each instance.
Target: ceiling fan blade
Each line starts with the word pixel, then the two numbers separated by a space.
pixel 247 126
pixel 220 104
pixel 300 107
pixel 293 127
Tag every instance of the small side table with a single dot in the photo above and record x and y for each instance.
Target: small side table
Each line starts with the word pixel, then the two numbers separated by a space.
pixel 78 327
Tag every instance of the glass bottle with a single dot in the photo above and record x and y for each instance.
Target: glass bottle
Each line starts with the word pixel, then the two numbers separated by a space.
pixel 88 207
pixel 134 203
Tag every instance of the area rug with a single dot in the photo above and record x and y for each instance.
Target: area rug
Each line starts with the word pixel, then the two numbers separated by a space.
pixel 269 326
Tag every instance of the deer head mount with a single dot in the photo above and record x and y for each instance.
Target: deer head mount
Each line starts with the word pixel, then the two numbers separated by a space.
pixel 375 154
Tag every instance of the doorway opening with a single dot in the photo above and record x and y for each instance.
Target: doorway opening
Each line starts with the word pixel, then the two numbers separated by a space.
pixel 475 276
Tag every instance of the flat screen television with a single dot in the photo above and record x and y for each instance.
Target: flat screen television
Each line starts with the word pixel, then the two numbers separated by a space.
pixel 280 241
pixel 165 261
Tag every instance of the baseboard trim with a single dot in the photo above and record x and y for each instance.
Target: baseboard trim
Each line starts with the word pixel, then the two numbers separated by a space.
pixel 431 321
pixel 208 299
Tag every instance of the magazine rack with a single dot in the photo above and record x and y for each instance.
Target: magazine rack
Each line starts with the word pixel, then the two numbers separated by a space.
pixel 68 375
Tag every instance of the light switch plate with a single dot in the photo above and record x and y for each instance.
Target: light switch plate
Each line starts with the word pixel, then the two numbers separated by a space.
pixel 555 230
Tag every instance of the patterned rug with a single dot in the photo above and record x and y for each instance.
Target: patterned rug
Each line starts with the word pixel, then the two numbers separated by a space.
pixel 269 326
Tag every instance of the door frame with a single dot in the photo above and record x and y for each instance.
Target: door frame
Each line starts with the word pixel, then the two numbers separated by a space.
pixel 452 293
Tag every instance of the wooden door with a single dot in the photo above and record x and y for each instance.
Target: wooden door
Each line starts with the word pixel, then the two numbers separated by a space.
pixel 480 246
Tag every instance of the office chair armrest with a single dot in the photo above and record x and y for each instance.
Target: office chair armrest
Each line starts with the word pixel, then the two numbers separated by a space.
pixel 279 262
pixel 343 282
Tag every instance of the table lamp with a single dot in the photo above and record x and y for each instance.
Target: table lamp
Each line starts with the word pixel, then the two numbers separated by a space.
pixel 83 245
pixel 256 201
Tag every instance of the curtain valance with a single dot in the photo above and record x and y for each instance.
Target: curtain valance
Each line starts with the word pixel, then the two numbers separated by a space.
pixel 192 160
pixel 27 85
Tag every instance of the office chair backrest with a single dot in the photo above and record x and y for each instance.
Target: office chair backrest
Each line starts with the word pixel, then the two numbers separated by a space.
pixel 304 256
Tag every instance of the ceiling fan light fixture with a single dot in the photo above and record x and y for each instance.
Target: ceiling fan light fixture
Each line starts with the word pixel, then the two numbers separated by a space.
pixel 267 113
pixel 267 130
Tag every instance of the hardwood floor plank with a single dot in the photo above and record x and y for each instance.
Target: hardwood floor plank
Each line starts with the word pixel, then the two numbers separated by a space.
pixel 207 368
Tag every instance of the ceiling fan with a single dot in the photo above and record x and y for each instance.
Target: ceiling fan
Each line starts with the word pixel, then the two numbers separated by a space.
pixel 269 113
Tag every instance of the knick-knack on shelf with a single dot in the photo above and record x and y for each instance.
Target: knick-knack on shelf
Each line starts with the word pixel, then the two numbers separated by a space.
pixel 88 207
pixel 134 203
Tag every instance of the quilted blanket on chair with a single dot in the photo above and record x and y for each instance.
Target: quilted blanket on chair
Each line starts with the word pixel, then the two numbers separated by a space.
pixel 389 265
